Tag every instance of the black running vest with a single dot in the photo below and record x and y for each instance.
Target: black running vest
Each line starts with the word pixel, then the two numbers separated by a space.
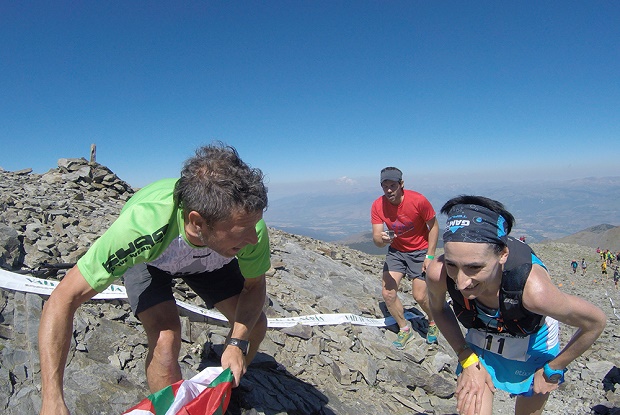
pixel 513 317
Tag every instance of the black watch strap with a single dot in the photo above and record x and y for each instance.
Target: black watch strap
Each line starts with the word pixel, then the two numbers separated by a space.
pixel 242 344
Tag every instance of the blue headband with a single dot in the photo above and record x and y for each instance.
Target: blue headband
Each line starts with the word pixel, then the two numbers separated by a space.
pixel 475 224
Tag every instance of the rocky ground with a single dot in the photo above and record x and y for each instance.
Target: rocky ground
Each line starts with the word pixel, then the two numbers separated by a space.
pixel 331 369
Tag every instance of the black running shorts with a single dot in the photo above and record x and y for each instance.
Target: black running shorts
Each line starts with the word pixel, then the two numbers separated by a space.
pixel 407 263
pixel 148 286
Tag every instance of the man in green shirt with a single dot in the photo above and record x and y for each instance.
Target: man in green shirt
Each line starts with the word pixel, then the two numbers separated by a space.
pixel 205 228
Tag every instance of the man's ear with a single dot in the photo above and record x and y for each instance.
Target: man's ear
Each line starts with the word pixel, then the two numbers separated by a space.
pixel 195 224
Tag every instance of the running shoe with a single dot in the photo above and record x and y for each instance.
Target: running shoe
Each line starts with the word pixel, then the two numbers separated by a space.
pixel 431 334
pixel 402 339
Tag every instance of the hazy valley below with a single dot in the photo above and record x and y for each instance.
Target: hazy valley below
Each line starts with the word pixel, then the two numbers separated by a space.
pixel 544 210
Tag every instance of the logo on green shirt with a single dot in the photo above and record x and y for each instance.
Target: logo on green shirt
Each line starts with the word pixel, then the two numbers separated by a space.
pixel 140 244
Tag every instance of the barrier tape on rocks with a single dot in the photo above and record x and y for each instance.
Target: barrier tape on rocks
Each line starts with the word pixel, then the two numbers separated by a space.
pixel 25 283
pixel 612 305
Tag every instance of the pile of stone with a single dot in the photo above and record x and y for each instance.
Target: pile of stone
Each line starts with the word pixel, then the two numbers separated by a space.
pixel 57 215
pixel 47 221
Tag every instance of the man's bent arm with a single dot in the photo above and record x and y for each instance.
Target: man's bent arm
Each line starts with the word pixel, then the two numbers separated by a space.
pixel 55 332
pixel 433 235
pixel 377 235
pixel 248 310
pixel 249 306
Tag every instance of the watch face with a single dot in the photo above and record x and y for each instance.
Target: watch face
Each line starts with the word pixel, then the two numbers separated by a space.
pixel 553 375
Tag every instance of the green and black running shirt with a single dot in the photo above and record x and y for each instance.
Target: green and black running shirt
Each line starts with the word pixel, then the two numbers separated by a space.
pixel 150 229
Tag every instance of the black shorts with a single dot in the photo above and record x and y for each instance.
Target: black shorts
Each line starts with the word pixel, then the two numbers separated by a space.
pixel 407 263
pixel 148 286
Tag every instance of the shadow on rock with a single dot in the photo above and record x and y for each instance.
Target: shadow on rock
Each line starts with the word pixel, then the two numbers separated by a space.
pixel 268 388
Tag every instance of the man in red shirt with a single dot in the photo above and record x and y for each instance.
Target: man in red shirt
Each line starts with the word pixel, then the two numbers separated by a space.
pixel 412 232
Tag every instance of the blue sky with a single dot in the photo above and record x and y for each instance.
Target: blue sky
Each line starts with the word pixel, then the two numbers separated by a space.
pixel 314 90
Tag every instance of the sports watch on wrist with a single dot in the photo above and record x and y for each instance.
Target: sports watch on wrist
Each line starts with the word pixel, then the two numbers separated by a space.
pixel 242 344
pixel 554 375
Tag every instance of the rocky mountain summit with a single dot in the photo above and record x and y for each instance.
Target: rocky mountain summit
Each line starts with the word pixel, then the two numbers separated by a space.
pixel 48 220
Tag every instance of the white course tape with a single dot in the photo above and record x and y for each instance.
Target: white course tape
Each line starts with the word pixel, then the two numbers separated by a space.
pixel 310 320
pixel 25 283
pixel 613 306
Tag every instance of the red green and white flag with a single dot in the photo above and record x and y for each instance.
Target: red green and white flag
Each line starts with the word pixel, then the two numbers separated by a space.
pixel 207 393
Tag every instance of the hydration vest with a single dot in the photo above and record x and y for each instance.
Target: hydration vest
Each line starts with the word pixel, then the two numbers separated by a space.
pixel 513 317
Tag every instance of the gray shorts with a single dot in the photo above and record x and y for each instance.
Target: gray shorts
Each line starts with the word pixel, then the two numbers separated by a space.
pixel 148 286
pixel 408 263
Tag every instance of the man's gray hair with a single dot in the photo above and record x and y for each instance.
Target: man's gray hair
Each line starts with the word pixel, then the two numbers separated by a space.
pixel 215 182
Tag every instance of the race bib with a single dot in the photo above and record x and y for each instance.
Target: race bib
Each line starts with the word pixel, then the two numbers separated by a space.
pixel 507 346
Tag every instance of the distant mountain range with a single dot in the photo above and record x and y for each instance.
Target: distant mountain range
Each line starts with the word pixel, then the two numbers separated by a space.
pixel 544 210
pixel 601 236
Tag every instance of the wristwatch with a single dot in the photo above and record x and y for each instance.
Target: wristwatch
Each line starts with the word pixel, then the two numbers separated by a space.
pixel 554 375
pixel 242 344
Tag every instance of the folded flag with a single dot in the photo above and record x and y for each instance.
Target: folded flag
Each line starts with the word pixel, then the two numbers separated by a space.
pixel 207 393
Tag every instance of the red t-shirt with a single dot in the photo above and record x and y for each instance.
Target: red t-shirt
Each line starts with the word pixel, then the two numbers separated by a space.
pixel 407 220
